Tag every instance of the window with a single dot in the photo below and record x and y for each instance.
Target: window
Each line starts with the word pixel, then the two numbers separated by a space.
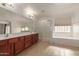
pixel 62 29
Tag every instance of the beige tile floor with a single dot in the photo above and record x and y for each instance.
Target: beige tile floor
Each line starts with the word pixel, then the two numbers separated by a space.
pixel 46 49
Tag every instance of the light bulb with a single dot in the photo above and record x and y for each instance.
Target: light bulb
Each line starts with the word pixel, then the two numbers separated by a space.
pixel 26 28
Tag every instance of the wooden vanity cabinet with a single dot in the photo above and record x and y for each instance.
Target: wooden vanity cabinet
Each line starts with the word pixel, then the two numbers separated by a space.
pixel 4 48
pixel 15 45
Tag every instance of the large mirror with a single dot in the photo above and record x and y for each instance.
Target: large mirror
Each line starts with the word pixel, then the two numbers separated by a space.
pixel 5 27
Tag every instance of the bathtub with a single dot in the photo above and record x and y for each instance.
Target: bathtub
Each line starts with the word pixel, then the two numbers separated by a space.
pixel 66 40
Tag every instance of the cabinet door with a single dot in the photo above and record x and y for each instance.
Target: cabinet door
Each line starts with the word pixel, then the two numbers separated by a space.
pixel 27 44
pixel 4 48
pixel 28 41
pixel 12 42
pixel 16 44
pixel 19 45
pixel 34 38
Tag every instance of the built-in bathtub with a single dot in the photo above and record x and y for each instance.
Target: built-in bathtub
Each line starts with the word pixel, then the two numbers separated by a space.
pixel 66 40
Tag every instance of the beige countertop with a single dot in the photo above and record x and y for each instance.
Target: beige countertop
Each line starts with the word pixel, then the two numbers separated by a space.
pixel 4 37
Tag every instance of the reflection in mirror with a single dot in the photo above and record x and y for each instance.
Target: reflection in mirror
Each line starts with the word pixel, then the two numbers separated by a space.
pixel 5 27
pixel 22 29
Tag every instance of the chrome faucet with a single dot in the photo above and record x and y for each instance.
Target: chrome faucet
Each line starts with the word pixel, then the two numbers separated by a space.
pixel 7 35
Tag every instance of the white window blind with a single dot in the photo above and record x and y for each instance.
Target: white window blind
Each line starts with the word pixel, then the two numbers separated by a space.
pixel 62 29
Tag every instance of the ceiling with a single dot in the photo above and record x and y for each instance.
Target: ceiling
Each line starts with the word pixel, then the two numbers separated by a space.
pixel 55 10
pixel 47 9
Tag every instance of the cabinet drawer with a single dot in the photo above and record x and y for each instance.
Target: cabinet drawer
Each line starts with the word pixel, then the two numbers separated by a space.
pixel 13 40
pixel 28 36
pixel 21 38
pixel 3 42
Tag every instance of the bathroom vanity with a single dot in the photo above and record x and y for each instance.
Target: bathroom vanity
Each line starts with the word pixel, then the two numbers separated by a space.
pixel 14 44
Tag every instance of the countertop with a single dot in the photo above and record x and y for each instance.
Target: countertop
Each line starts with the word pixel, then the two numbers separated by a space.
pixel 4 37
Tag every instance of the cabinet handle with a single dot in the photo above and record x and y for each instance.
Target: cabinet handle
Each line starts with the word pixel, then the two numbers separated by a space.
pixel 12 48
pixel 1 48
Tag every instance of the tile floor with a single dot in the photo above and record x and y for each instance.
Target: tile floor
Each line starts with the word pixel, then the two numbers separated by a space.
pixel 46 49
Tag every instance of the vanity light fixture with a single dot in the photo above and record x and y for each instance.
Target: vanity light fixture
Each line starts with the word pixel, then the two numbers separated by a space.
pixel 8 5
pixel 23 29
pixel 26 29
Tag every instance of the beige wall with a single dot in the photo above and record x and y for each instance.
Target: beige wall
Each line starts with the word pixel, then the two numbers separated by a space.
pixel 63 20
